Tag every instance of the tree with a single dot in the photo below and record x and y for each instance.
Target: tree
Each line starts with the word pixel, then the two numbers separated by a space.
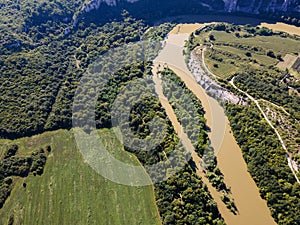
pixel 248 54
pixel 212 37
pixel 170 219
pixel 271 54
pixel 279 57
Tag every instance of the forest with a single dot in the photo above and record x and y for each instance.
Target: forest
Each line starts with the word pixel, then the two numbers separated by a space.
pixel 38 82
pixel 267 163
pixel 39 79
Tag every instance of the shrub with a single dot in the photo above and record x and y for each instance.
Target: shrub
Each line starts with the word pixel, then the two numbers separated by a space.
pixel 248 54
pixel 271 54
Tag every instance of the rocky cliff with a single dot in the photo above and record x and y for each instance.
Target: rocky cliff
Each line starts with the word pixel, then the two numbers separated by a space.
pixel 163 8
pixel 249 6
pixel 261 6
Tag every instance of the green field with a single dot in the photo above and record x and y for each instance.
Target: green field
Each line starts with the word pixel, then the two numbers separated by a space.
pixel 228 55
pixel 278 44
pixel 71 192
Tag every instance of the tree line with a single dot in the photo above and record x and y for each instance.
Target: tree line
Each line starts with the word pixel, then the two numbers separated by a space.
pixel 13 165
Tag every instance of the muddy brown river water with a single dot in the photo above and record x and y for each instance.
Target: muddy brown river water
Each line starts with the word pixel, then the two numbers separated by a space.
pixel 252 208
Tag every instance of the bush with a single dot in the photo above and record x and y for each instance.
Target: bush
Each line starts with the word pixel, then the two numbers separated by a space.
pixel 248 54
pixel 279 57
pixel 271 54
pixel 212 37
pixel 11 151
pixel 19 166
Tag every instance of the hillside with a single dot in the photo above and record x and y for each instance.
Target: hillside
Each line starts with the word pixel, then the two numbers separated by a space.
pixel 38 85
pixel 71 192
pixel 49 49
pixel 21 15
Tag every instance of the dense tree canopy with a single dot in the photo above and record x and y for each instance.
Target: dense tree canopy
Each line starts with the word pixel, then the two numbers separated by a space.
pixel 267 163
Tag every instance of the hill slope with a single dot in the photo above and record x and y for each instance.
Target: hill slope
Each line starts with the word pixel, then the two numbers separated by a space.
pixel 71 192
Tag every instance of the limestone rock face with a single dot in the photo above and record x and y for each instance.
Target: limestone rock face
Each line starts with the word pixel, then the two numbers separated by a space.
pixel 259 6
pixel 244 6
pixel 248 6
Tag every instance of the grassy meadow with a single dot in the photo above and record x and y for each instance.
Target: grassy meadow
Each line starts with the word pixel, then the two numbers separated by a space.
pixel 71 192
pixel 229 53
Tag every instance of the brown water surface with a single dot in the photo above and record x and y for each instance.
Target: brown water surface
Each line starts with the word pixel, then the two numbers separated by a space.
pixel 252 208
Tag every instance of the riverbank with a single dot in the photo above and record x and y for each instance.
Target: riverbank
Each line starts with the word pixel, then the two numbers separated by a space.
pixel 252 209
pixel 262 146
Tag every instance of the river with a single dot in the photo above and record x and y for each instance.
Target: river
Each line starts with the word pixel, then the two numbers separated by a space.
pixel 252 208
